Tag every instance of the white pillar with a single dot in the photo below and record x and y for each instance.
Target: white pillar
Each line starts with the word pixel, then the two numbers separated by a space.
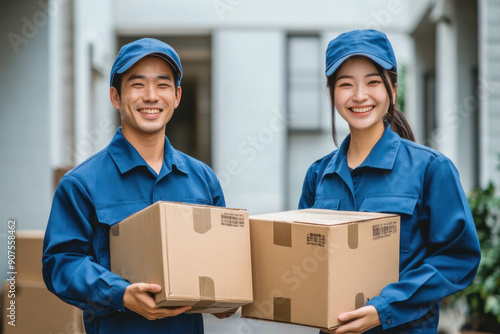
pixel 446 136
pixel 94 50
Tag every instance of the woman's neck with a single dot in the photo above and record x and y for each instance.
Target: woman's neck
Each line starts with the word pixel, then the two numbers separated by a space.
pixel 361 144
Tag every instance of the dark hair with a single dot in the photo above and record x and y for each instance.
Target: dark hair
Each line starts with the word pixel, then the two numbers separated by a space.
pixel 394 116
pixel 117 83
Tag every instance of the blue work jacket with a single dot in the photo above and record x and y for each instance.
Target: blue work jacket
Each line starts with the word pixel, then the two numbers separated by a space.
pixel 100 192
pixel 439 247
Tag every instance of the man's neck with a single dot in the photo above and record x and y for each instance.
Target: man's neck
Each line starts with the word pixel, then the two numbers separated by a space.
pixel 150 147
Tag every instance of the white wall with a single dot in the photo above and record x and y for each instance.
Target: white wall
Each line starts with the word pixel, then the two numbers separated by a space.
pixel 26 180
pixel 140 16
pixel 24 120
pixel 248 120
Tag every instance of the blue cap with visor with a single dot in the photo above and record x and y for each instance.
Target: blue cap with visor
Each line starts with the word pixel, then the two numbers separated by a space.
pixel 133 52
pixel 368 43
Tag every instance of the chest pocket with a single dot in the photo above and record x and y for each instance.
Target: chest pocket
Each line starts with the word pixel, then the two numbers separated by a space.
pixel 109 214
pixel 403 205
pixel 326 202
pixel 202 201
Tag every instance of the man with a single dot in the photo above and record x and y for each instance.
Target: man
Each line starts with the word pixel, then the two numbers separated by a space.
pixel 137 168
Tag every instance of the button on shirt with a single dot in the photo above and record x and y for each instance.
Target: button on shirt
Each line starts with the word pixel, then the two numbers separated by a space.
pixel 439 248
pixel 102 191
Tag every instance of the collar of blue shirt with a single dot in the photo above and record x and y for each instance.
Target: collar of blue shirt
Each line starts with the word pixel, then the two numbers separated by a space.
pixel 382 156
pixel 126 156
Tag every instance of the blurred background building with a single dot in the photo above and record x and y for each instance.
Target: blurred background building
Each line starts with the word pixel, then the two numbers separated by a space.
pixel 254 104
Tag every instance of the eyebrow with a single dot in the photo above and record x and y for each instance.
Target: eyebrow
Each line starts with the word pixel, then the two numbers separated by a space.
pixel 351 77
pixel 159 77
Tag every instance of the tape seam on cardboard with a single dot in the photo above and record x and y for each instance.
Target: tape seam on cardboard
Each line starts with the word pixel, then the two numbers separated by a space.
pixel 201 220
pixel 207 292
pixel 282 309
pixel 360 300
pixel 115 230
pixel 353 236
pixel 282 234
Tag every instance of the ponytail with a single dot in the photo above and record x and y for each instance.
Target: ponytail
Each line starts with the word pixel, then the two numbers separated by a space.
pixel 394 116
pixel 399 124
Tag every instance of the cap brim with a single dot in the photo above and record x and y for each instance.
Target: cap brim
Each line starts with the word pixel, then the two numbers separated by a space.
pixel 333 67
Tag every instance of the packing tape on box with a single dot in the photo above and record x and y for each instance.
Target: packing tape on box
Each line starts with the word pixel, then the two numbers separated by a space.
pixel 207 292
pixel 282 309
pixel 201 220
pixel 360 300
pixel 115 230
pixel 353 236
pixel 282 232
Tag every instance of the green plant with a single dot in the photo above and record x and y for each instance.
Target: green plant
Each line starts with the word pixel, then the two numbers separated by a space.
pixel 401 97
pixel 483 295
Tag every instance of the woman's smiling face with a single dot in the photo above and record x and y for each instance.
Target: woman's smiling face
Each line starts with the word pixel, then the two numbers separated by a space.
pixel 360 94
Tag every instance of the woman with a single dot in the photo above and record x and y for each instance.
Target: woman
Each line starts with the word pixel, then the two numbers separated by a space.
pixel 380 168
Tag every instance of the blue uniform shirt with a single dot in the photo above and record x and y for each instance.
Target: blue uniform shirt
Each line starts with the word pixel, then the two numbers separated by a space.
pixel 439 248
pixel 100 192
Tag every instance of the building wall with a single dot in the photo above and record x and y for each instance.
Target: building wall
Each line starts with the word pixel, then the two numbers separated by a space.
pixel 26 175
pixel 445 86
pixel 249 120
pixel 468 100
pixel 489 90
pixel 146 17
pixel 24 120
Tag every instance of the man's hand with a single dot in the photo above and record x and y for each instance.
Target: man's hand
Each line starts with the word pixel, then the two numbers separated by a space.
pixel 358 321
pixel 226 314
pixel 139 298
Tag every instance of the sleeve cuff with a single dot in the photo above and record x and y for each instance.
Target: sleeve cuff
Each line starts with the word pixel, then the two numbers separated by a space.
pixel 384 311
pixel 117 295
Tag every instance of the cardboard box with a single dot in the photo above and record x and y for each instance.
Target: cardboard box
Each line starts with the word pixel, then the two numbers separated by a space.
pixel 29 250
pixel 200 255
pixel 311 265
pixel 37 310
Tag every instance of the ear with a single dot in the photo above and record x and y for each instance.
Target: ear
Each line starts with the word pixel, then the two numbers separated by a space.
pixel 178 96
pixel 114 97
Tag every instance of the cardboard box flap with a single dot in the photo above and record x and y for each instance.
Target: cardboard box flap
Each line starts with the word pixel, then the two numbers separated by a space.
pixel 320 216
pixel 197 206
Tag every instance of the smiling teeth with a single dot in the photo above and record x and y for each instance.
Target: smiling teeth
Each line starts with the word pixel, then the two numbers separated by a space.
pixel 359 110
pixel 149 111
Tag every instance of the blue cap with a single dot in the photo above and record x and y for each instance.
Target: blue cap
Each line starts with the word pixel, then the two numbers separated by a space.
pixel 133 52
pixel 369 43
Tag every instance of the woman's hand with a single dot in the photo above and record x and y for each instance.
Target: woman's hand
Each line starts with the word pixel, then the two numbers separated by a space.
pixel 358 321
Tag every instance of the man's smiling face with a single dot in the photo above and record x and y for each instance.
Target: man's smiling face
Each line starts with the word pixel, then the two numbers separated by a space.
pixel 148 97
